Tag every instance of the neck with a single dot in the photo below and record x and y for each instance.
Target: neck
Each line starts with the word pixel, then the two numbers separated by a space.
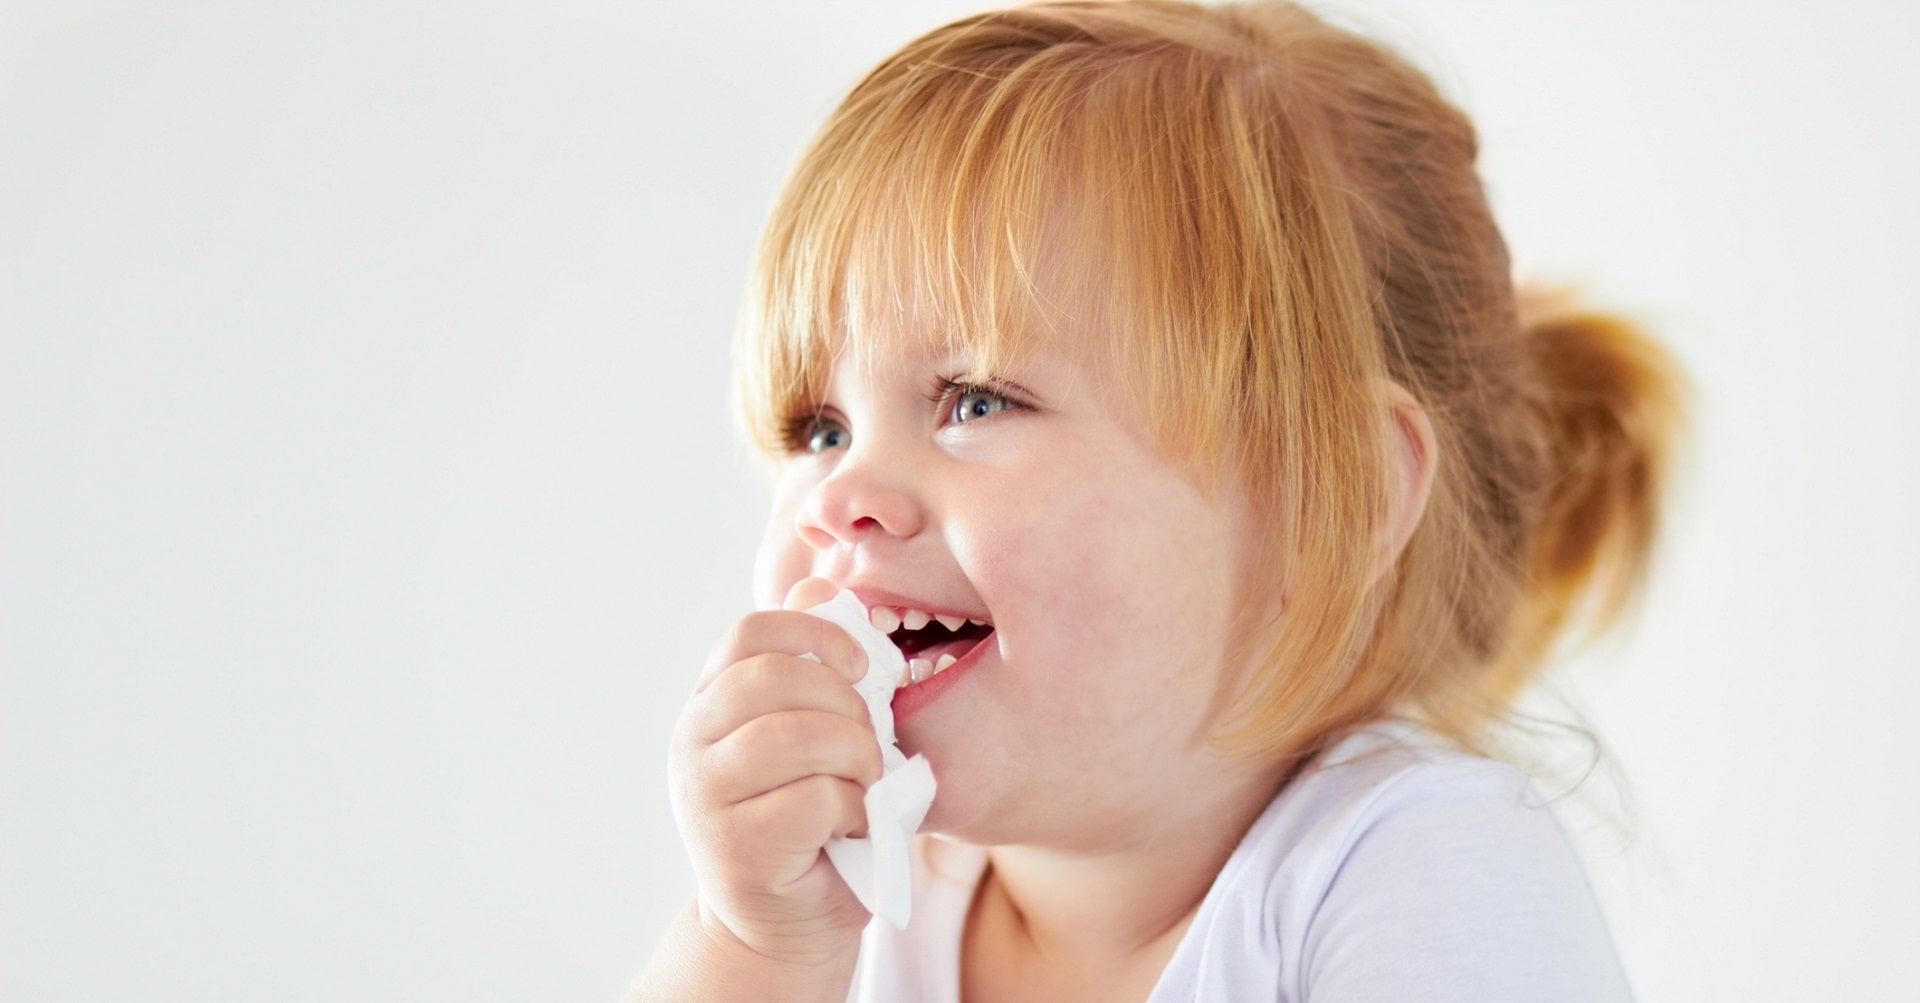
pixel 1097 907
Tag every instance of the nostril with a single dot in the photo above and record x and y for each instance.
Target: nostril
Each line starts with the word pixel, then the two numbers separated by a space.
pixel 862 500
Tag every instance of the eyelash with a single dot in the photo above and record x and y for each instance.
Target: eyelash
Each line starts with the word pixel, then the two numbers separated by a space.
pixel 798 432
pixel 948 393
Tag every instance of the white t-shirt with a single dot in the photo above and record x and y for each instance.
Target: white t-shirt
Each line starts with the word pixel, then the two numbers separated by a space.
pixel 1393 868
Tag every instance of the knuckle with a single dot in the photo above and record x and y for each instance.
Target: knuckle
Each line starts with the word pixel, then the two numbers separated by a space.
pixel 703 721
pixel 697 711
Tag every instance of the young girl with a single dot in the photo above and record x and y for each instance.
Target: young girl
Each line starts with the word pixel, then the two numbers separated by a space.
pixel 1153 373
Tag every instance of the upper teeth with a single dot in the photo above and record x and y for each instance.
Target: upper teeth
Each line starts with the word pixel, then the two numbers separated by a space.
pixel 887 619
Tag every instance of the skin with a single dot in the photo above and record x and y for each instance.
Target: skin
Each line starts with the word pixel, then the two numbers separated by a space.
pixel 1076 748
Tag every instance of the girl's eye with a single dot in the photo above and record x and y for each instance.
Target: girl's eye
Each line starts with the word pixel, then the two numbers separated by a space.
pixel 973 402
pixel 823 434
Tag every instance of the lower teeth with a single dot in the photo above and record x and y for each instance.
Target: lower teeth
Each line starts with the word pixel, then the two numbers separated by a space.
pixel 920 670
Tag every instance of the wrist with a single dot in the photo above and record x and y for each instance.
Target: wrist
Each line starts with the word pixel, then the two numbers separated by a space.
pixel 803 955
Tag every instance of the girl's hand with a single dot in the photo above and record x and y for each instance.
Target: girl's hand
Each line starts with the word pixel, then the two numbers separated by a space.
pixel 769 761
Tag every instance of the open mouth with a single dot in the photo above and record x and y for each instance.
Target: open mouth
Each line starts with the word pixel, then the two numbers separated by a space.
pixel 930 642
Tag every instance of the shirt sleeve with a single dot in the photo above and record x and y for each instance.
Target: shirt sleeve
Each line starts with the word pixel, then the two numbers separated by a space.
pixel 1458 885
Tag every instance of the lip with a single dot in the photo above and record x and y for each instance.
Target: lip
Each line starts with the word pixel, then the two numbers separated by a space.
pixel 909 700
pixel 871 597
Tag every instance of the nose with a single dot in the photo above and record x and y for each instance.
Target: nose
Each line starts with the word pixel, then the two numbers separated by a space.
pixel 861 501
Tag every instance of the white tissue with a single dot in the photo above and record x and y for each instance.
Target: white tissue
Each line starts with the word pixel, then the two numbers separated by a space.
pixel 876 867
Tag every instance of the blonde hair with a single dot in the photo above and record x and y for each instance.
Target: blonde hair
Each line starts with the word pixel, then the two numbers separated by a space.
pixel 1269 218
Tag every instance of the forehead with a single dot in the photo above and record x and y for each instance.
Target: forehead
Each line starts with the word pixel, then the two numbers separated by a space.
pixel 996 306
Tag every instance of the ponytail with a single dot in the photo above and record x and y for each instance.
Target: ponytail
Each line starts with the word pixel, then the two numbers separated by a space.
pixel 1609 404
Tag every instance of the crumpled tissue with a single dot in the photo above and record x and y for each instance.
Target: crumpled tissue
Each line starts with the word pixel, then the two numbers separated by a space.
pixel 876 866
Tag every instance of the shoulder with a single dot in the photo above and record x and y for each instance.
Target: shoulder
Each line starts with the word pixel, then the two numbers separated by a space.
pixel 1393 782
pixel 1395 865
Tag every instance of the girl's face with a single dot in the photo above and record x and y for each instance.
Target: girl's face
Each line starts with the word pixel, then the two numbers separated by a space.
pixel 1036 502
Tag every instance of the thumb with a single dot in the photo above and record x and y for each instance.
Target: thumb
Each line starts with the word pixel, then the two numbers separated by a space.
pixel 810 592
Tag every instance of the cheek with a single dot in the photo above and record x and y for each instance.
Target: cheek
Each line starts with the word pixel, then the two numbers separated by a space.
pixel 1113 585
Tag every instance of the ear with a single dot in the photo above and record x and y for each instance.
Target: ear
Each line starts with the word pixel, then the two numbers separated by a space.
pixel 1411 456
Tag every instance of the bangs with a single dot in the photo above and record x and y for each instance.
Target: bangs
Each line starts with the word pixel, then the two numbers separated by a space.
pixel 937 205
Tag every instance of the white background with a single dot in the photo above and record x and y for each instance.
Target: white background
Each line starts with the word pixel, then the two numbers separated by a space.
pixel 368 498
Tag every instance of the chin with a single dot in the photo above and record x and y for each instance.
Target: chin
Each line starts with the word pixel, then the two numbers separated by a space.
pixel 955 824
pixel 956 812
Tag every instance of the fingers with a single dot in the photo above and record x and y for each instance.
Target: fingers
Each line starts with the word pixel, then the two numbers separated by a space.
pixel 766 684
pixel 771 718
pixel 780 832
pixel 786 632
pixel 805 814
pixel 773 750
